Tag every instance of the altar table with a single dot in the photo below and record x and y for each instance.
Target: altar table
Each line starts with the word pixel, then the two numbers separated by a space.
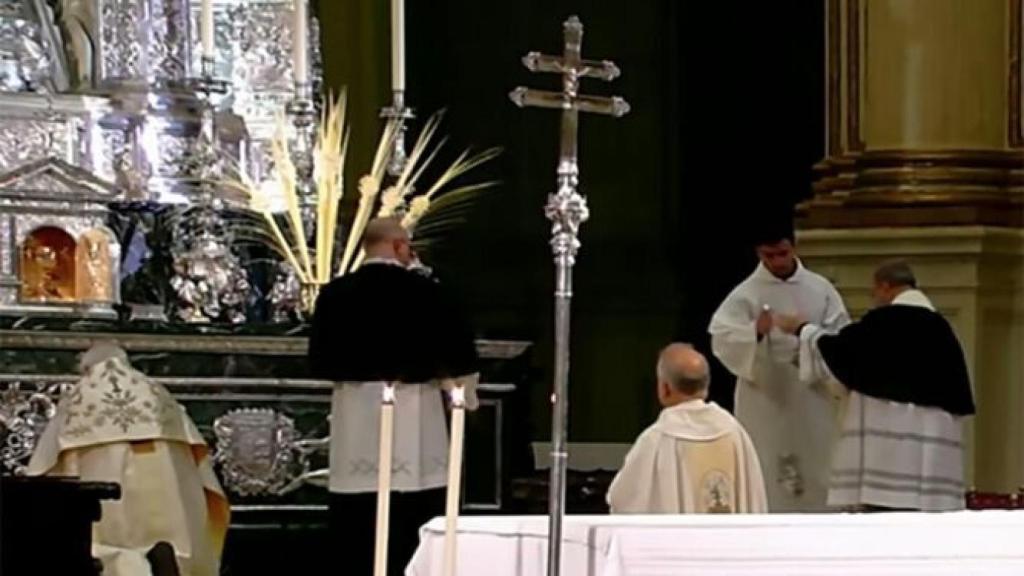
pixel 928 544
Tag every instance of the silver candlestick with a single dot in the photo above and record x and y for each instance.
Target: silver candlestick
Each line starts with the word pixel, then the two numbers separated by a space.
pixel 567 210
pixel 302 110
pixel 400 112
pixel 209 280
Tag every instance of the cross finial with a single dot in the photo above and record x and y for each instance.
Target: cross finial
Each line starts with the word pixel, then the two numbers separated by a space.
pixel 572 67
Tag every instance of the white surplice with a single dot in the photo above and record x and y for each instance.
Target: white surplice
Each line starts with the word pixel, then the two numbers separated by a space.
pixel 792 424
pixel 420 452
pixel 890 454
pixel 696 458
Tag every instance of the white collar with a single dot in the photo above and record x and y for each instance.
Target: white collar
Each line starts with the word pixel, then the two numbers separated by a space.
pixel 697 420
pixel 762 273
pixel 380 260
pixel 913 297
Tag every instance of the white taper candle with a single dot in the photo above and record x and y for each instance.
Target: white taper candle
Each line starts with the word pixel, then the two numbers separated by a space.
pixel 387 423
pixel 206 28
pixel 454 479
pixel 398 45
pixel 300 42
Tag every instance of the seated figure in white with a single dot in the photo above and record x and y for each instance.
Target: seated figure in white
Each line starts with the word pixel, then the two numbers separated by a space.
pixel 696 458
pixel 117 425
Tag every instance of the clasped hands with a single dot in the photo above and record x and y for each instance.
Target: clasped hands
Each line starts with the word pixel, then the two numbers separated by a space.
pixel 787 323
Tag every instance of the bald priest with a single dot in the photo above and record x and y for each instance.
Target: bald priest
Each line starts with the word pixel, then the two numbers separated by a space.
pixel 387 324
pixel 696 458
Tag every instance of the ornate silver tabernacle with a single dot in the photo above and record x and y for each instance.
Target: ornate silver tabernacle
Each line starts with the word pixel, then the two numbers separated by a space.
pixel 57 255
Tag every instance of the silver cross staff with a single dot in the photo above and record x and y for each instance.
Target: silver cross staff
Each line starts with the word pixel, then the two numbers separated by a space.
pixel 566 209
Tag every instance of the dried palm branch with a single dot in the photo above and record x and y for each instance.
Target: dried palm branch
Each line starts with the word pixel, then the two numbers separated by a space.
pixel 369 188
pixel 284 231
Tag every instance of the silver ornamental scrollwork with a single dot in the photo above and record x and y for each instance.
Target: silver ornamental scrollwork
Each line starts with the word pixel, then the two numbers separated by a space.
pixel 285 295
pixel 167 45
pixel 259 452
pixel 264 33
pixel 122 52
pixel 112 155
pixel 24 414
pixel 567 210
pixel 179 156
pixel 25 64
pixel 24 140
pixel 6 247
pixel 209 280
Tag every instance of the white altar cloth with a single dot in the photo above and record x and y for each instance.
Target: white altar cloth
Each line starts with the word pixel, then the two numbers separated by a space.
pixel 938 544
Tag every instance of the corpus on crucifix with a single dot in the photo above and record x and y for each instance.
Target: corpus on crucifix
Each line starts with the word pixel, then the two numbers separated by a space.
pixel 567 210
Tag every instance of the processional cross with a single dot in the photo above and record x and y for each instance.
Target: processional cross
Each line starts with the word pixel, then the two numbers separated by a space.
pixel 567 210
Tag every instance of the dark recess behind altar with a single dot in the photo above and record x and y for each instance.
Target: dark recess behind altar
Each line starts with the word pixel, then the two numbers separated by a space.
pixel 727 119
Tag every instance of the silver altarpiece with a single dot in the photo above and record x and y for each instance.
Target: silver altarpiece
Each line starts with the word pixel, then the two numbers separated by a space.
pixel 117 90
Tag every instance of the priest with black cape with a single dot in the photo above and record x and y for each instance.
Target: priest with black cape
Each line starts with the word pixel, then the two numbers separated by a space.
pixel 384 324
pixel 900 445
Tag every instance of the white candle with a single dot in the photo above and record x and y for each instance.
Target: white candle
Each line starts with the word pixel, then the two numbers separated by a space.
pixel 398 45
pixel 454 478
pixel 300 43
pixel 387 415
pixel 206 28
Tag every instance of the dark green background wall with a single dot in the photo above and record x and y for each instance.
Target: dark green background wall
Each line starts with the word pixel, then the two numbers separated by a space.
pixel 727 100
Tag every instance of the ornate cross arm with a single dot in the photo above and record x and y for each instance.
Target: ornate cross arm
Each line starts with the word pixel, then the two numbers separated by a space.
pixel 527 97
pixel 603 70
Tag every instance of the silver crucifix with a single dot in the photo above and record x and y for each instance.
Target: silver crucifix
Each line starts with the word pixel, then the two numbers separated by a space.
pixel 567 210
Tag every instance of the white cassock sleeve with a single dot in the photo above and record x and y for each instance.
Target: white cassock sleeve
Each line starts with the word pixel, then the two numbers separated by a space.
pixel 835 311
pixel 734 336
pixel 813 368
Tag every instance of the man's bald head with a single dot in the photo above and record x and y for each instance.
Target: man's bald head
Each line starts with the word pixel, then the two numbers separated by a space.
pixel 684 370
pixel 386 238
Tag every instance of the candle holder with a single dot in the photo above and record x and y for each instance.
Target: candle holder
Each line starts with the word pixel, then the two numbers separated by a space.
pixel 209 281
pixel 302 110
pixel 207 84
pixel 398 111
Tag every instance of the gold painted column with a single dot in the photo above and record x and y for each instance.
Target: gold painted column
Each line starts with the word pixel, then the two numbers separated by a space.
pixel 923 114
pixel 925 161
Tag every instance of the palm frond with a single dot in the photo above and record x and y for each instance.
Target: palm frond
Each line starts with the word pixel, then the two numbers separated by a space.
pixel 282 229
pixel 369 189
pixel 464 163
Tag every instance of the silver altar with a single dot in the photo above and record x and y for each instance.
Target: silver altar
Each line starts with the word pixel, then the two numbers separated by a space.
pixel 115 89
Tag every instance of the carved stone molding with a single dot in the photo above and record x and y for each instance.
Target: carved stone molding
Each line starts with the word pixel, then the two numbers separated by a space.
pixel 917 188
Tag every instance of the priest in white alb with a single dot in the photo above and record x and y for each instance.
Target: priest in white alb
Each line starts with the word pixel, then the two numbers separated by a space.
pixel 901 446
pixel 117 425
pixel 792 423
pixel 696 458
